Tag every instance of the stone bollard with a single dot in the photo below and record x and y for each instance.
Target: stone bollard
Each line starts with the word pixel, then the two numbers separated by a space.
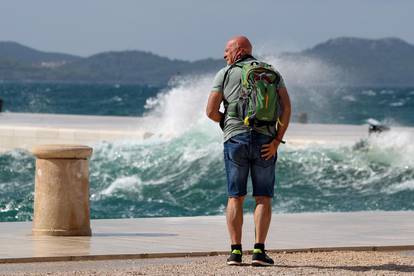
pixel 61 201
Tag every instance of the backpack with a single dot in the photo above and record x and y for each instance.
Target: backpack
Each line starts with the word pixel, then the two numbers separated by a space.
pixel 258 103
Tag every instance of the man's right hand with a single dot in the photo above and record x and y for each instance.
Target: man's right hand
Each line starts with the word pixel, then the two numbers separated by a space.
pixel 270 150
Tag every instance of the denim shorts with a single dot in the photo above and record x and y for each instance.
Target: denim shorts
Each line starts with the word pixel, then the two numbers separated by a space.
pixel 242 154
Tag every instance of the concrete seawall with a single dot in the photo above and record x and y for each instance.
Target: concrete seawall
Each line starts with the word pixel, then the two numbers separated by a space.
pixel 25 130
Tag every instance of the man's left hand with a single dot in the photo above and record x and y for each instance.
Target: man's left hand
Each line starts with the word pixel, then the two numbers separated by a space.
pixel 270 150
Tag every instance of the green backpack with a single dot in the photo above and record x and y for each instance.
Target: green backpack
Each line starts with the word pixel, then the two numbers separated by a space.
pixel 258 103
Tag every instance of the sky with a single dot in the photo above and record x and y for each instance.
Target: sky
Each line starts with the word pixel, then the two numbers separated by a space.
pixel 190 30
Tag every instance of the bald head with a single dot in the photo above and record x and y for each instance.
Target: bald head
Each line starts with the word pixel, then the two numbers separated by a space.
pixel 236 47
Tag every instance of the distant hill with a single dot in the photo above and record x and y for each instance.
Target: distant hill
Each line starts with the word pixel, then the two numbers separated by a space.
pixel 21 63
pixel 388 61
pixel 133 67
pixel 20 53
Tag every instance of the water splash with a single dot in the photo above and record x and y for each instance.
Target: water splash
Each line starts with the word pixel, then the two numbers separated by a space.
pixel 180 108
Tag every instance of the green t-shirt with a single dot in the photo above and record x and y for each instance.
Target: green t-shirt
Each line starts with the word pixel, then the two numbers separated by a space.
pixel 232 87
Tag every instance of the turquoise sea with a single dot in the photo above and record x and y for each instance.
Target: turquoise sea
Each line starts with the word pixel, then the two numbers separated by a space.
pixel 183 174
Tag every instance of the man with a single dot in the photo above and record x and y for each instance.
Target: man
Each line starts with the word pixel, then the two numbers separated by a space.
pixel 247 149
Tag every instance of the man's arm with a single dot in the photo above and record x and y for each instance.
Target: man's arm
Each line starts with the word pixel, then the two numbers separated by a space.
pixel 213 106
pixel 269 150
pixel 285 117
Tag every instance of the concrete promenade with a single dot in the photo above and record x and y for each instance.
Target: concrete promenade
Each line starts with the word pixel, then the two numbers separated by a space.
pixel 198 236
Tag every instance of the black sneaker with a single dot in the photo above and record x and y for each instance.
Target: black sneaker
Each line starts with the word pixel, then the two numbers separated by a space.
pixel 260 258
pixel 235 257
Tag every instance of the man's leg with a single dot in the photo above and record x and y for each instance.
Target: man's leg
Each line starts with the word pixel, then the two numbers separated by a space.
pixel 263 180
pixel 235 218
pixel 262 217
pixel 237 171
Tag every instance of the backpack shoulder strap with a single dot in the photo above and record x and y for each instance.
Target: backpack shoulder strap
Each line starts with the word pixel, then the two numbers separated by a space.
pixel 235 64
